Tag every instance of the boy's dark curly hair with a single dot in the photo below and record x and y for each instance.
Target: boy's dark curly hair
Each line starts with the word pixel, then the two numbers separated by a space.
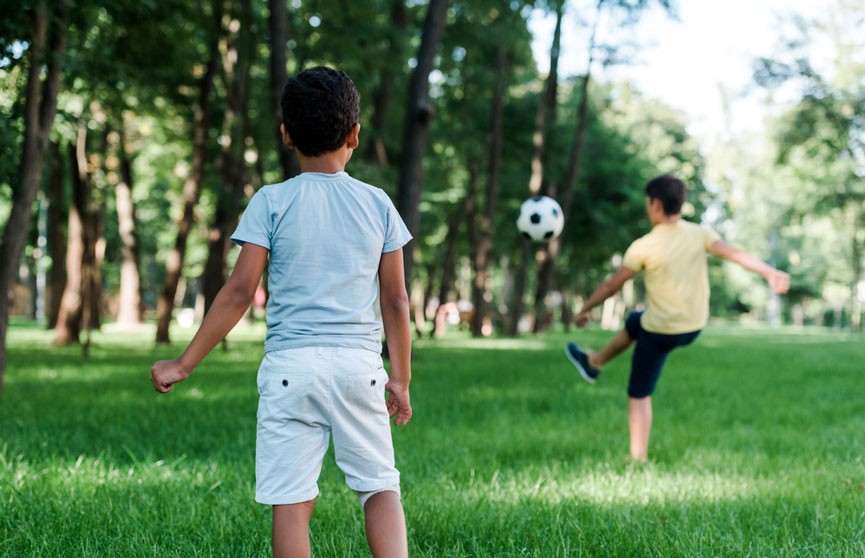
pixel 670 190
pixel 320 106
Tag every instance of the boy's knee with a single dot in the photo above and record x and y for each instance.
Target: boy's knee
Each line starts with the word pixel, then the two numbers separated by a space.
pixel 365 496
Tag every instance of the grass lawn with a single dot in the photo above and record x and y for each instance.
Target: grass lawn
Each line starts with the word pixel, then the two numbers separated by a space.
pixel 758 449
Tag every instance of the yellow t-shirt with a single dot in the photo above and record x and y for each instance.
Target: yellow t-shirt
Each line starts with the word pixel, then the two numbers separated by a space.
pixel 673 257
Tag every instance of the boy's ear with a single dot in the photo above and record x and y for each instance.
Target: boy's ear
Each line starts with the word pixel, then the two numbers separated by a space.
pixel 352 141
pixel 286 139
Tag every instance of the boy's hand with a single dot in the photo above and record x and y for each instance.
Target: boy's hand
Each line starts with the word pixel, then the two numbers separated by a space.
pixel 398 406
pixel 779 281
pixel 582 319
pixel 165 373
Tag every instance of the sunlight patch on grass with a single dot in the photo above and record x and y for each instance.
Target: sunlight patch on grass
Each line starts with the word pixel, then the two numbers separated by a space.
pixel 640 485
pixel 500 344
pixel 89 473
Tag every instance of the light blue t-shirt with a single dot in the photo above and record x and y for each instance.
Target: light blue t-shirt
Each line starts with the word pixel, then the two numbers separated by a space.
pixel 326 234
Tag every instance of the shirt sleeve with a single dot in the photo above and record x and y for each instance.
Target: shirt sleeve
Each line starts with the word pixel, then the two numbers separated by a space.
pixel 396 233
pixel 634 258
pixel 709 237
pixel 255 224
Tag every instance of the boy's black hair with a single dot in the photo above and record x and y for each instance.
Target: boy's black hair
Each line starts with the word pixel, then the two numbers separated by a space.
pixel 670 190
pixel 320 106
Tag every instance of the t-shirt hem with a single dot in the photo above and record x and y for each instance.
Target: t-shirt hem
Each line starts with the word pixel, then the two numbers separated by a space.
pixel 319 341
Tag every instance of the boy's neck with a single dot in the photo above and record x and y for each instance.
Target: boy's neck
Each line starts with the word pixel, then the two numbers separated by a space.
pixel 329 163
pixel 667 219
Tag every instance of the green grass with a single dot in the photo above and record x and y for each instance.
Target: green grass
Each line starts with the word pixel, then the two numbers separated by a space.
pixel 758 449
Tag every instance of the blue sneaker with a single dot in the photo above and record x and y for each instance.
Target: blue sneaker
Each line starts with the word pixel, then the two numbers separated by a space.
pixel 580 360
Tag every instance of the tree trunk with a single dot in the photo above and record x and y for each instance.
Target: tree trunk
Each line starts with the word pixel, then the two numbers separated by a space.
pixel 448 259
pixel 383 96
pixel 58 215
pixel 79 307
pixel 236 63
pixel 278 22
pixel 521 279
pixel 191 192
pixel 546 271
pixel 69 318
pixel 546 108
pixel 129 303
pixel 856 249
pixel 419 113
pixel 483 248
pixel 546 112
pixel 40 107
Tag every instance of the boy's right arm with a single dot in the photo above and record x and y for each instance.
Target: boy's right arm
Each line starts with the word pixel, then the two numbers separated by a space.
pixel 779 281
pixel 397 331
pixel 607 289
pixel 227 309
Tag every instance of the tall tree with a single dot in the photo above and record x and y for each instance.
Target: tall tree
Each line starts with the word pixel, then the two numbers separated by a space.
pixel 57 217
pixel 191 191
pixel 482 248
pixel 237 50
pixel 547 266
pixel 383 95
pixel 278 21
pixel 546 111
pixel 46 50
pixel 419 112
pixel 129 305
pixel 79 306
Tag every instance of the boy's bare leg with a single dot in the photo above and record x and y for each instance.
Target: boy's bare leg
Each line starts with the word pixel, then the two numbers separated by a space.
pixel 640 424
pixel 385 526
pixel 614 347
pixel 291 530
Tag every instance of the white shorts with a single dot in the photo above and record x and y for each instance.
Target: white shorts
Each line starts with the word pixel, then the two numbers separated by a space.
pixel 308 395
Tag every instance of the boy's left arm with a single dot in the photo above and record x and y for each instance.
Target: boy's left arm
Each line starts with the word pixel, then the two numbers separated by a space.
pixel 397 332
pixel 779 281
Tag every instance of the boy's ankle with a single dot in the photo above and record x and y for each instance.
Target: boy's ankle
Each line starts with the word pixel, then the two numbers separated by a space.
pixel 594 363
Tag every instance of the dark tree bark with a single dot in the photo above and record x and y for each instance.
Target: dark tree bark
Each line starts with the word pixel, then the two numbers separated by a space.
pixel 483 248
pixel 546 112
pixel 278 22
pixel 236 62
pixel 80 309
pixel 191 193
pixel 419 113
pixel 47 47
pixel 58 216
pixel 546 271
pixel 383 96
pixel 79 251
pixel 447 264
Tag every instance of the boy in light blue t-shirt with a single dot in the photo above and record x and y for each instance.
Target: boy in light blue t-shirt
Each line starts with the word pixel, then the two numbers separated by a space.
pixel 335 247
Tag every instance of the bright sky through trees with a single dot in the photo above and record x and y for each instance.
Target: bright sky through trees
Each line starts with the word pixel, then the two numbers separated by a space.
pixel 695 63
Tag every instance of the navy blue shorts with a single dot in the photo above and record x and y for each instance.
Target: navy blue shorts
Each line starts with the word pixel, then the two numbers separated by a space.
pixel 650 353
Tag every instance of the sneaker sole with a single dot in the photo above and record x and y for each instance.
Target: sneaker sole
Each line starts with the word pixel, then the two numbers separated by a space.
pixel 579 367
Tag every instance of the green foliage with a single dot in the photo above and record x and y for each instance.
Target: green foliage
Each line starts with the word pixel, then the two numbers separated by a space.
pixel 137 65
pixel 820 151
pixel 756 450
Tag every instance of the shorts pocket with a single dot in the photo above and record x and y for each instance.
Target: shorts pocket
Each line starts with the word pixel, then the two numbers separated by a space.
pixel 279 376
pixel 366 388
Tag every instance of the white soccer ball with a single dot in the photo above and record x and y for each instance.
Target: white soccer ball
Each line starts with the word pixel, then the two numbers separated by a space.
pixel 541 219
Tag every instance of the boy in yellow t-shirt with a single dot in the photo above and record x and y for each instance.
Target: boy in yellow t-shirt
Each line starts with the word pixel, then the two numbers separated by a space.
pixel 673 259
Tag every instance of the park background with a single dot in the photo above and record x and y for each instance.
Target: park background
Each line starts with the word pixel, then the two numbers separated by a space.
pixel 133 134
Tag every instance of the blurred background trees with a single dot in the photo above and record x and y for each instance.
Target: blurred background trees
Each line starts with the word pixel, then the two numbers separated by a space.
pixel 117 210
